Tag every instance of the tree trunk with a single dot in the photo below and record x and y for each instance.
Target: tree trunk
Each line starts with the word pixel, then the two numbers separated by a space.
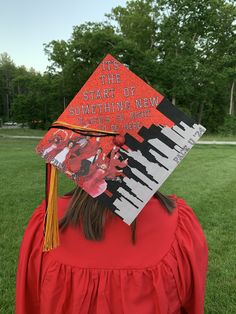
pixel 173 99
pixel 18 88
pixel 231 103
pixel 201 106
pixel 64 102
pixel 7 108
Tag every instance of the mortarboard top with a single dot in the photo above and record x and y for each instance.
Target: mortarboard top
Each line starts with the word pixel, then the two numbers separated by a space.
pixel 119 139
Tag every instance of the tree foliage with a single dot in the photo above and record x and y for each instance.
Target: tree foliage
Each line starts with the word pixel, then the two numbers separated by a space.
pixel 185 49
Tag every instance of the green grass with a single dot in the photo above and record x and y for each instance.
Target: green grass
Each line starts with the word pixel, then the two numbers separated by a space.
pixel 22 132
pixel 217 137
pixel 206 179
pixel 31 132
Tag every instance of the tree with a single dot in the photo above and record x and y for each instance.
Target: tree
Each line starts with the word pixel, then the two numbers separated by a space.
pixel 7 71
pixel 182 48
pixel 74 61
pixel 192 50
pixel 36 102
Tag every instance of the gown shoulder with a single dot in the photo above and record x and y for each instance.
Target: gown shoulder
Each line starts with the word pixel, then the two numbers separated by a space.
pixel 162 274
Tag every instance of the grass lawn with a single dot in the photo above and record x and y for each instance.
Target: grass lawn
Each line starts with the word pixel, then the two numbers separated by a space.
pixel 206 179
pixel 22 132
pixel 217 137
pixel 31 132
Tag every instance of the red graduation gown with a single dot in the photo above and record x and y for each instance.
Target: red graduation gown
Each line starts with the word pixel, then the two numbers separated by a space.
pixel 163 273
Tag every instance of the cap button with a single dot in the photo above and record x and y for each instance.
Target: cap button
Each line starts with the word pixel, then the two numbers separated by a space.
pixel 119 140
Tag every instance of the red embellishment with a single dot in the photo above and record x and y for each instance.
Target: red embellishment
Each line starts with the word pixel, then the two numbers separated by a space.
pixel 119 140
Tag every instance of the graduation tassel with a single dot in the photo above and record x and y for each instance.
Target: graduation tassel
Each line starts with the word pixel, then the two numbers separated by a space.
pixel 51 228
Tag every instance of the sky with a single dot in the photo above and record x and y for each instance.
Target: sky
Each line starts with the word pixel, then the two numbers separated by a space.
pixel 25 25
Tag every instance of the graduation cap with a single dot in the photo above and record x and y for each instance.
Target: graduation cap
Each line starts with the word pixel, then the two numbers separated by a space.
pixel 118 139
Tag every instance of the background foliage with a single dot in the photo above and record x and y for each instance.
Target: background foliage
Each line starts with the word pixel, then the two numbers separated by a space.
pixel 186 49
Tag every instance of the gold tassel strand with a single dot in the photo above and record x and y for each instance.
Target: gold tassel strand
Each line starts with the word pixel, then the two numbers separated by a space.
pixel 51 235
pixel 81 128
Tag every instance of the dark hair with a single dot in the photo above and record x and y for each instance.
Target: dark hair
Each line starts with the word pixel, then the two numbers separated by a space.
pixel 70 141
pixel 91 215
pixel 57 139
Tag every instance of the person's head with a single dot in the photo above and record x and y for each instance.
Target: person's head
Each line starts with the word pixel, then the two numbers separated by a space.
pixel 99 151
pixel 70 144
pixel 91 215
pixel 57 140
pixel 103 166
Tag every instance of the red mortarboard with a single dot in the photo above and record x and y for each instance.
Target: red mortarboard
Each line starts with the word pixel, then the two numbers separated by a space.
pixel 118 139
